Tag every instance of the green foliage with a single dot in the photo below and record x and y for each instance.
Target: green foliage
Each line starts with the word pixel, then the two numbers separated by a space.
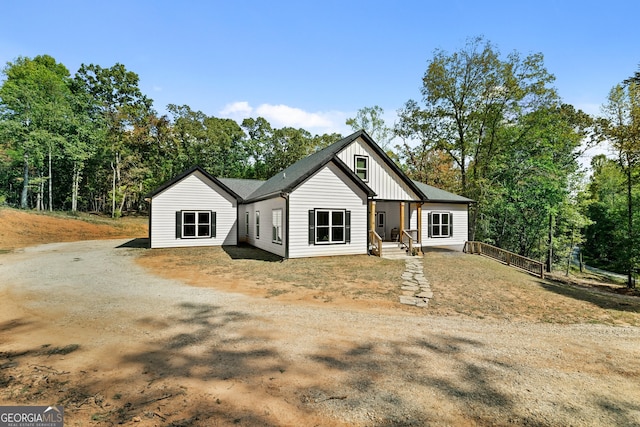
pixel 370 119
pixel 621 126
pixel 511 146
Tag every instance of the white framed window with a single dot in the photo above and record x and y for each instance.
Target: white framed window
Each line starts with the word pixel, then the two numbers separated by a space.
pixel 361 167
pixel 246 223
pixel 329 226
pixel 276 230
pixel 195 224
pixel 440 224
pixel 257 224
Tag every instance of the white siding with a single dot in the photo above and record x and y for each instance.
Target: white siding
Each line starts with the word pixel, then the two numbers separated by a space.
pixel 265 242
pixel 382 179
pixel 194 192
pixel 329 188
pixel 460 223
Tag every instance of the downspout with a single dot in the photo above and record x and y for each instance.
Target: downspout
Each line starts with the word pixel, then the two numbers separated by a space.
pixel 285 196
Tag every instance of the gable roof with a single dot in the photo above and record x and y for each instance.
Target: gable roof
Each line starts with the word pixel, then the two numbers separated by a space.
pixel 242 187
pixel 251 190
pixel 434 194
pixel 288 179
pixel 188 172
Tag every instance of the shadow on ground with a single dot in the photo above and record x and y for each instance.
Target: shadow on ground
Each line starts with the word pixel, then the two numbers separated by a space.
pixel 244 251
pixel 138 243
pixel 609 301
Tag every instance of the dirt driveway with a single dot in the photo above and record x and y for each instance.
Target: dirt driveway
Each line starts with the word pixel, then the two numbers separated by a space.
pixel 82 325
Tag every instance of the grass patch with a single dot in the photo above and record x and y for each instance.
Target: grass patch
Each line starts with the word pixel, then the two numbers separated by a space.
pixel 480 287
pixel 255 272
pixel 463 285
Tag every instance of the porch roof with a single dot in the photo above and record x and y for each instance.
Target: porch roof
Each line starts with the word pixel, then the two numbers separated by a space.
pixel 434 194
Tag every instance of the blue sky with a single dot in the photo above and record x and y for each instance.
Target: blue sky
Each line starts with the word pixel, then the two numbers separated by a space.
pixel 314 64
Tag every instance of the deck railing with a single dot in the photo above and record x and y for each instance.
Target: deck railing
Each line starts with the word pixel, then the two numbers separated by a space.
pixel 410 237
pixel 509 258
pixel 376 243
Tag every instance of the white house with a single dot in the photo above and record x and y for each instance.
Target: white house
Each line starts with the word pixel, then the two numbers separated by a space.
pixel 341 200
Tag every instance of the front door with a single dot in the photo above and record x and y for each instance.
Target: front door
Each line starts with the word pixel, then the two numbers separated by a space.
pixel 381 224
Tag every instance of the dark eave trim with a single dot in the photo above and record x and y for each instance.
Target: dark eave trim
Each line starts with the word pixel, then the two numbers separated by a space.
pixel 188 172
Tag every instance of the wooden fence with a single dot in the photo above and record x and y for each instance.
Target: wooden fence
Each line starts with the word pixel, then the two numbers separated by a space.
pixel 509 258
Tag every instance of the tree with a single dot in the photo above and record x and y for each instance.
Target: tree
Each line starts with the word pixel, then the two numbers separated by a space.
pixel 36 112
pixel 621 126
pixel 470 98
pixel 530 181
pixel 370 119
pixel 121 106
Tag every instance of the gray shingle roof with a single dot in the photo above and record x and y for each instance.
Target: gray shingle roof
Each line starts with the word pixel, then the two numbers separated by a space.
pixel 242 187
pixel 248 190
pixel 434 194
pixel 288 179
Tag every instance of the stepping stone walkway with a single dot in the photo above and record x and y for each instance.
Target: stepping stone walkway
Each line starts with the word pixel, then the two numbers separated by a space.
pixel 415 287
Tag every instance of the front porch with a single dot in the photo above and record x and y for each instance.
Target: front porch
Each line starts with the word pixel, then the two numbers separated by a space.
pixel 395 227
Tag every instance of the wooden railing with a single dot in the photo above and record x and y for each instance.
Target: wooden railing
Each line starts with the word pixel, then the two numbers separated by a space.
pixel 408 235
pixel 376 243
pixel 509 258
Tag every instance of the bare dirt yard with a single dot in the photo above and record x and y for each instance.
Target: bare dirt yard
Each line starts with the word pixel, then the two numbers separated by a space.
pixel 122 335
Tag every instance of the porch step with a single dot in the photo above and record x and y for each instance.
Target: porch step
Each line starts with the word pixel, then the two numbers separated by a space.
pixel 392 251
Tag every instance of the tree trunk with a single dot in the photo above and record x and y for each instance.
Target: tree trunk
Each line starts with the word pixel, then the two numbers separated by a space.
pixel 113 192
pixel 550 254
pixel 630 227
pixel 50 182
pixel 25 183
pixel 74 187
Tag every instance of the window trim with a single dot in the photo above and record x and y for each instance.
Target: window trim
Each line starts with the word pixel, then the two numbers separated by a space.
pixel 356 169
pixel 432 227
pixel 246 225
pixel 180 224
pixel 257 224
pixel 276 229
pixel 313 227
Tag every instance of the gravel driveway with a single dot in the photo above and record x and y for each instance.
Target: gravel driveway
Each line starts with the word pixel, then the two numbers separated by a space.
pixel 157 352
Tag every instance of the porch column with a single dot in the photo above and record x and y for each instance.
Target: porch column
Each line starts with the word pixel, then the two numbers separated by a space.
pixel 372 215
pixel 401 219
pixel 420 223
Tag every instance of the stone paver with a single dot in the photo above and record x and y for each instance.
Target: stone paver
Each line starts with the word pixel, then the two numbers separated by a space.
pixel 415 286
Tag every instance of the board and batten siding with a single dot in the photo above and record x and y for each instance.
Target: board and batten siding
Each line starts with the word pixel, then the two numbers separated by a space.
pixel 194 192
pixel 329 188
pixel 265 241
pixel 460 222
pixel 382 179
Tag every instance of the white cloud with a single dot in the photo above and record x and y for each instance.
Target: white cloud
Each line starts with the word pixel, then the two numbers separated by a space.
pixel 239 109
pixel 285 116
pixel 157 89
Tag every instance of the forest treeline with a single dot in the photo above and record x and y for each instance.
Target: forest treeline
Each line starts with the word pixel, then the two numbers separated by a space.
pixel 488 126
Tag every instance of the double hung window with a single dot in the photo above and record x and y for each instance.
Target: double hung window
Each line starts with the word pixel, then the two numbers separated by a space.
pixel 195 224
pixel 276 230
pixel 440 224
pixel 257 224
pixel 329 226
pixel 362 167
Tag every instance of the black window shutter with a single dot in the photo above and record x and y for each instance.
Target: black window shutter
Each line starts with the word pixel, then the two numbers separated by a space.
pixel 450 224
pixel 213 224
pixel 347 227
pixel 312 227
pixel 178 225
pixel 429 226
